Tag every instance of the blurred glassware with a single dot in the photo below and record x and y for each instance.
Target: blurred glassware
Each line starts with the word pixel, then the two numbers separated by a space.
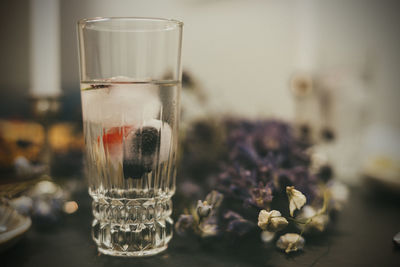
pixel 12 226
pixel 343 97
pixel 331 109
pixel 19 138
pixel 381 159
pixel 383 172
pixel 46 110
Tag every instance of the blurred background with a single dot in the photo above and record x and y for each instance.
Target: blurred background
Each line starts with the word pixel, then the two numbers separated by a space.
pixel 331 67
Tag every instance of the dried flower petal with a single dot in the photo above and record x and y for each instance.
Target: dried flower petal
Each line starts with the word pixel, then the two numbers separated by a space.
pixel 290 242
pixel 271 221
pixel 296 199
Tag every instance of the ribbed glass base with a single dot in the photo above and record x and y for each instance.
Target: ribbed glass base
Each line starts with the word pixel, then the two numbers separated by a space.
pixel 132 227
pixel 144 253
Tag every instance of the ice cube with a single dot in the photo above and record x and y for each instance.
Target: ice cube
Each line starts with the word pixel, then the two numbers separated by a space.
pixel 121 104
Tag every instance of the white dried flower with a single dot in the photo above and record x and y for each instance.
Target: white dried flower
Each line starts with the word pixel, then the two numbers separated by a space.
pixel 317 222
pixel 290 242
pixel 271 221
pixel 203 209
pixel 296 199
pixel 208 230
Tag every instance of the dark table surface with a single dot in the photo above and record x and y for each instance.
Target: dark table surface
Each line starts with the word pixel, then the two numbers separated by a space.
pixel 361 236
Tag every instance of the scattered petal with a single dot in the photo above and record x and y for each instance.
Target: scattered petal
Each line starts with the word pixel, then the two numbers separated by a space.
pixel 290 242
pixel 296 199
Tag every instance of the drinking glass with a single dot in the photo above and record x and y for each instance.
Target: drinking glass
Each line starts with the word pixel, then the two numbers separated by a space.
pixel 130 75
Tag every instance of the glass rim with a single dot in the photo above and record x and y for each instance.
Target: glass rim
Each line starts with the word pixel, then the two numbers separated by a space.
pixel 174 22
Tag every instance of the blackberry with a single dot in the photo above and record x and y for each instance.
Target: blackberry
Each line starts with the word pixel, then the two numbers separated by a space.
pixel 135 170
pixel 141 154
pixel 149 139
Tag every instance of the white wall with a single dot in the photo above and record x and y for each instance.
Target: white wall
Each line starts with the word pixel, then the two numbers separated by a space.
pixel 243 52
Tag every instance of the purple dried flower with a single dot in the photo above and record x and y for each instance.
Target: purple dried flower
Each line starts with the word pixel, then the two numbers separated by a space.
pixel 240 226
pixel 259 160
pixel 261 196
pixel 184 223
pixel 237 224
pixel 231 215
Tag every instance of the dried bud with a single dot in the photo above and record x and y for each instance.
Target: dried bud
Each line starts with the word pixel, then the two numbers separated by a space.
pixel 271 221
pixel 296 199
pixel 290 242
pixel 203 209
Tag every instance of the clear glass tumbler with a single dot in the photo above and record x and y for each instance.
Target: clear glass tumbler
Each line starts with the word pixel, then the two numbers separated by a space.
pixel 130 86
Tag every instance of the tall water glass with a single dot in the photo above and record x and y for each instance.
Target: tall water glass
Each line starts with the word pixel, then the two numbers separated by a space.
pixel 130 85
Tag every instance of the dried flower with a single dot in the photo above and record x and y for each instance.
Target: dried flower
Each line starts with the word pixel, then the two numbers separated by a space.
pixel 184 223
pixel 257 161
pixel 316 221
pixel 237 224
pixel 203 209
pixel 290 242
pixel 271 221
pixel 261 196
pixel 240 226
pixel 208 229
pixel 296 199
